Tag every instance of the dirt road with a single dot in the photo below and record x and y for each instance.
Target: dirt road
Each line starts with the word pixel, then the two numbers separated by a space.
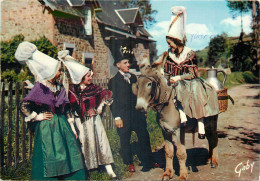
pixel 238 147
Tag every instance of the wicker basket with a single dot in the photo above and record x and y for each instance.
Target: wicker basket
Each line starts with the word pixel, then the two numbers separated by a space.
pixel 222 100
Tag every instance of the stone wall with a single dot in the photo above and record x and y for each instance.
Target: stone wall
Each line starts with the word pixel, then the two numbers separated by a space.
pixel 101 65
pixel 71 31
pixel 140 50
pixel 28 17
pixel 25 17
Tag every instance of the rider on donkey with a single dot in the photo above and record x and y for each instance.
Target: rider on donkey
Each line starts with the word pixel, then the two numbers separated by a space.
pixel 198 99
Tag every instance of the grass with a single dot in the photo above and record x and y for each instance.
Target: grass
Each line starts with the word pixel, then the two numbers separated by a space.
pixel 120 168
pixel 22 171
pixel 202 54
pixel 235 78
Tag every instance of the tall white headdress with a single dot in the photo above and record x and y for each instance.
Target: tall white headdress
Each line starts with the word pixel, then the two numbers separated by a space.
pixel 178 23
pixel 76 70
pixel 41 65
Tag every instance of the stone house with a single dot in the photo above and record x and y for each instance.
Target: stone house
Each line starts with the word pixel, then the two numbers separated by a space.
pixel 95 32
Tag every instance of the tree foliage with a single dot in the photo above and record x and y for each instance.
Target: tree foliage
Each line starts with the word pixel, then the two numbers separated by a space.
pixel 11 69
pixel 217 46
pixel 8 49
pixel 236 7
pixel 145 8
pixel 241 57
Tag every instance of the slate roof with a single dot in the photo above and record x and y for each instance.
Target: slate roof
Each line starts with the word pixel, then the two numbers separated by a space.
pixel 118 16
pixel 143 31
pixel 76 2
pixel 113 14
pixel 108 16
pixel 63 6
pixel 127 15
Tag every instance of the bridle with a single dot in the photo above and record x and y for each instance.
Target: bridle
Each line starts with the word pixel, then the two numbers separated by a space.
pixel 163 97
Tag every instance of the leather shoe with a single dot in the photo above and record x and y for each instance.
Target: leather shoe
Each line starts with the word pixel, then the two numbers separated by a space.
pixel 156 165
pixel 131 168
pixel 201 136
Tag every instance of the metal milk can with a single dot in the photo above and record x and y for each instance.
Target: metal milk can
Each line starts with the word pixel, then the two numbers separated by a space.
pixel 213 80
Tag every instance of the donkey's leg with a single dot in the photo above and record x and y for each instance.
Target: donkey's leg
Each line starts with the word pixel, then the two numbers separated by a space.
pixel 169 152
pixel 208 134
pixel 182 156
pixel 212 136
pixel 215 143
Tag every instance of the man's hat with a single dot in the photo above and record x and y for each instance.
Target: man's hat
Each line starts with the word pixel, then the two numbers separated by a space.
pixel 120 58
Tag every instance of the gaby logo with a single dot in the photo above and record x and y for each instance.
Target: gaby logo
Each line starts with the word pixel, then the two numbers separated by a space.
pixel 243 167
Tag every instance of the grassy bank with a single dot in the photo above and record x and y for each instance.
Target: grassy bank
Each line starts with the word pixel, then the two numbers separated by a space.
pixel 120 168
pixel 22 171
pixel 235 78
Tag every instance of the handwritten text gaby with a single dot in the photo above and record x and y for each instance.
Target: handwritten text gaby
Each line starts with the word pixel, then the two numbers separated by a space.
pixel 243 167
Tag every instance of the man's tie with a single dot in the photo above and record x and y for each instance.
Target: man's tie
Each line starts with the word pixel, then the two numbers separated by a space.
pixel 127 77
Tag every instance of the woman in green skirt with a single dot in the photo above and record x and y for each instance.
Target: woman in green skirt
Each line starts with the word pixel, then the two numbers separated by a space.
pixel 57 154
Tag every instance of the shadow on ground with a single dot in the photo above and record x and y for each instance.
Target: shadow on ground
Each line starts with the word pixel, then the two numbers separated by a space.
pixel 246 136
pixel 195 157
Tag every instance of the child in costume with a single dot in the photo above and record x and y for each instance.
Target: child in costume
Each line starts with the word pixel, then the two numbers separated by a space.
pixel 198 99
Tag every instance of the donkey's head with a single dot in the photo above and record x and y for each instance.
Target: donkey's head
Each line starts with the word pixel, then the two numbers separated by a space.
pixel 147 85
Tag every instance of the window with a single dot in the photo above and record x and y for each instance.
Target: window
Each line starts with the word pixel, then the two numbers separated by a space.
pixel 70 51
pixel 71 47
pixel 88 59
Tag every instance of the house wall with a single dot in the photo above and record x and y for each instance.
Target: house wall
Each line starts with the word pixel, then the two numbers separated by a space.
pixel 140 50
pixel 71 31
pixel 101 65
pixel 29 18
pixel 25 17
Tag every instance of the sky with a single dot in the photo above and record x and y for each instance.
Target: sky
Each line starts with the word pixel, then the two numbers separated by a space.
pixel 205 19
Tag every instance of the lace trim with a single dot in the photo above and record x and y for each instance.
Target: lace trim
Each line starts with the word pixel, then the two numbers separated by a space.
pixel 53 87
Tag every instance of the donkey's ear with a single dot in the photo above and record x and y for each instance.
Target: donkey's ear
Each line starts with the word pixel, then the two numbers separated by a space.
pixel 161 60
pixel 158 65
pixel 144 65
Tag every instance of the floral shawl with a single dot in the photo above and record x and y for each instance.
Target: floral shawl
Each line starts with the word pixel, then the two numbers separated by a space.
pixel 85 102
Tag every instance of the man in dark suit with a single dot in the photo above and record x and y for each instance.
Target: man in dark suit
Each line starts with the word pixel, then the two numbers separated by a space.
pixel 127 118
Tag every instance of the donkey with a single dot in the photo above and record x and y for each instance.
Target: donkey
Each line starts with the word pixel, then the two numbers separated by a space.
pixel 153 91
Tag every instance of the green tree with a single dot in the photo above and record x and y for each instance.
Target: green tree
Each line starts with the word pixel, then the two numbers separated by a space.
pixel 8 61
pixel 255 51
pixel 249 62
pixel 241 57
pixel 217 47
pixel 46 47
pixel 239 6
pixel 11 69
